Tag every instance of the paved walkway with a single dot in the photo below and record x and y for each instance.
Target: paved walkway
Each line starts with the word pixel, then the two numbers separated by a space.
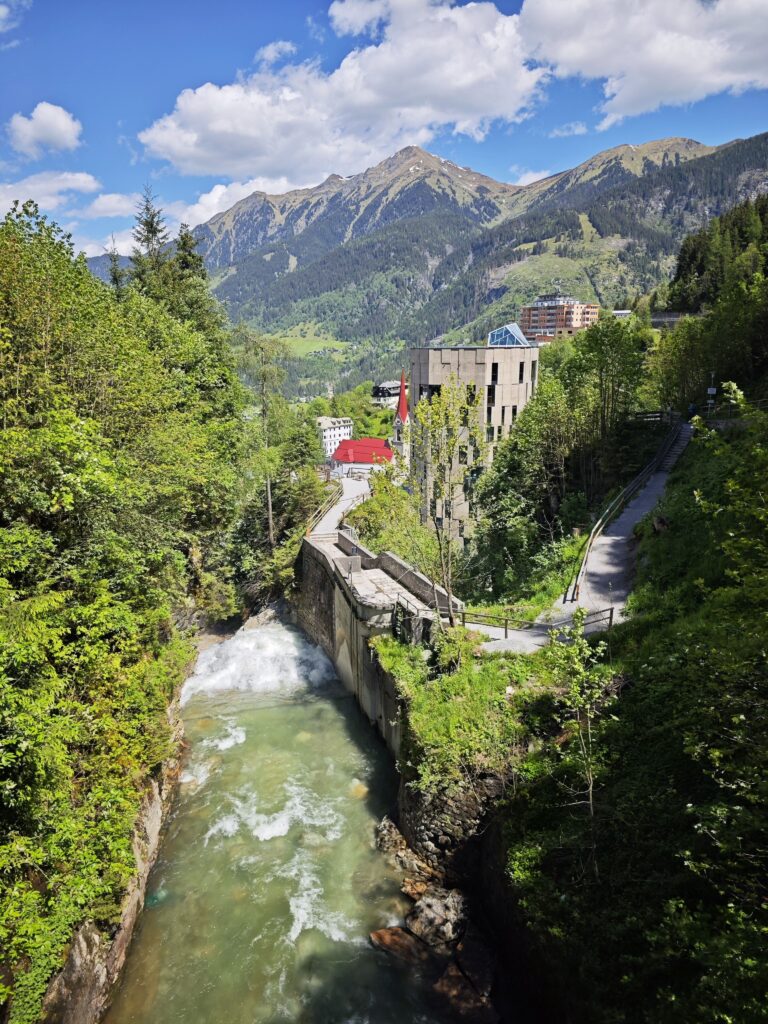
pixel 353 491
pixel 610 571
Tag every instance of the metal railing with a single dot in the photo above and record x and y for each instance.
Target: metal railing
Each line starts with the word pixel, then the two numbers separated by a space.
pixel 618 503
pixel 507 621
pixel 324 509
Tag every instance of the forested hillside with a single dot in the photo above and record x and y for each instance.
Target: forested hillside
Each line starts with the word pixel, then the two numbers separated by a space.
pixel 731 249
pixel 630 845
pixel 634 215
pixel 142 488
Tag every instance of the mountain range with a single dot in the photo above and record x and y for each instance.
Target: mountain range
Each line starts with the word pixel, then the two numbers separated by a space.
pixel 418 247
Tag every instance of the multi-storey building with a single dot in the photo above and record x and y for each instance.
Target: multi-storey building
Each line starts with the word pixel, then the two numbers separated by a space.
pixel 332 430
pixel 386 394
pixel 556 316
pixel 503 374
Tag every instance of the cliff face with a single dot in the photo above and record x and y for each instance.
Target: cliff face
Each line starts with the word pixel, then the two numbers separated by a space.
pixel 81 992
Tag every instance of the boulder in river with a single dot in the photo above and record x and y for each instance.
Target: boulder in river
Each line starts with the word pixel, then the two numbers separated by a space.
pixel 403 945
pixel 414 887
pixel 439 917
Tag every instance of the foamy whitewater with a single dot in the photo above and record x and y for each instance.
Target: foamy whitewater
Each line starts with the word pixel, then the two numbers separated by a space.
pixel 269 882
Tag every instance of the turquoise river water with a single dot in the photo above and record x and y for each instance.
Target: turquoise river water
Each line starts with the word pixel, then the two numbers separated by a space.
pixel 268 881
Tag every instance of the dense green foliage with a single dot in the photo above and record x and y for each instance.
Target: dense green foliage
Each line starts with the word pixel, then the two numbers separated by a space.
pixel 728 252
pixel 132 482
pixel 673 925
pixel 731 341
pixel 120 437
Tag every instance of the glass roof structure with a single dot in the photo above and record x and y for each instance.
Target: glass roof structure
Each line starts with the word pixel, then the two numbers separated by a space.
pixel 508 336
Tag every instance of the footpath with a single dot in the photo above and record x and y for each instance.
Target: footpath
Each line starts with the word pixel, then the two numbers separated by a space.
pixel 609 572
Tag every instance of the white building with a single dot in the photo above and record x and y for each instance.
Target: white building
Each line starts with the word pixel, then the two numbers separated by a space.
pixel 332 431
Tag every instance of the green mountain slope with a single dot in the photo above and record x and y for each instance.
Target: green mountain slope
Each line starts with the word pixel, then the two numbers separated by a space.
pixel 417 246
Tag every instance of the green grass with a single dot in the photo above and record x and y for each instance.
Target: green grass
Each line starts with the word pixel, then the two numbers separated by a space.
pixel 306 338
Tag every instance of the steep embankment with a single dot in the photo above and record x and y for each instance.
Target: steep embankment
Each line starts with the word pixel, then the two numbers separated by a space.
pixel 628 848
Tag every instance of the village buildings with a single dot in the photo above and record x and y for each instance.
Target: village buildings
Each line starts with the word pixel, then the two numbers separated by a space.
pixel 502 375
pixel 332 430
pixel 556 316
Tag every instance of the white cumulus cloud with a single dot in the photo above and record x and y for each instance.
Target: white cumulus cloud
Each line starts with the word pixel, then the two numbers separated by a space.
pixel 47 127
pixel 651 52
pixel 49 189
pixel 564 131
pixel 10 14
pixel 111 204
pixel 432 66
pixel 273 52
pixel 524 177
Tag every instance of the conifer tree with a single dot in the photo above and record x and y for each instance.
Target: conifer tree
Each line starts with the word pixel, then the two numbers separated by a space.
pixel 151 237
pixel 117 273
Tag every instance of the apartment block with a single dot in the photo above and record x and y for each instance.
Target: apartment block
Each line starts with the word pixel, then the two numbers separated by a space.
pixel 556 316
pixel 332 430
pixel 503 373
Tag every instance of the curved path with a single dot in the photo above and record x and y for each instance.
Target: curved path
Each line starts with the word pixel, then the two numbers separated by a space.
pixel 610 567
pixel 354 489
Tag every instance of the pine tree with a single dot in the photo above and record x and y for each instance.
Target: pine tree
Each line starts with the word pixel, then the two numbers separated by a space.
pixel 117 273
pixel 151 238
pixel 187 259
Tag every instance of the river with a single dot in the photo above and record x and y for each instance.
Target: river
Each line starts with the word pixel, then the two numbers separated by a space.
pixel 268 880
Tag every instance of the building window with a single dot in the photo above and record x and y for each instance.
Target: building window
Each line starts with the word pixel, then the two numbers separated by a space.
pixel 491 394
pixel 471 394
pixel 498 433
pixel 434 390
pixel 534 368
pixel 494 373
pixel 489 433
pixel 521 373
pixel 461 529
pixel 503 411
pixel 463 454
pixel 433 508
pixel 488 414
pixel 447 508
pixel 514 413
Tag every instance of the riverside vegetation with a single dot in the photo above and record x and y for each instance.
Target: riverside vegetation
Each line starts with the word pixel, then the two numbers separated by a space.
pixel 133 470
pixel 152 474
pixel 633 832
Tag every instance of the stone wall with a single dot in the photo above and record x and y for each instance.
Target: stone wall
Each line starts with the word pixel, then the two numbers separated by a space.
pixel 444 828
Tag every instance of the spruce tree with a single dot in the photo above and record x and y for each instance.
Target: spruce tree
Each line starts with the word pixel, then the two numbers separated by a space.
pixel 151 238
pixel 117 273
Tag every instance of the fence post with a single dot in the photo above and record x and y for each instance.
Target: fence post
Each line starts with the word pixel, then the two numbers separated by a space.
pixel 506 628
pixel 463 618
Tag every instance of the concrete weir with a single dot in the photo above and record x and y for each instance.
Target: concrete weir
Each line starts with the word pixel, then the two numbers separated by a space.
pixel 345 596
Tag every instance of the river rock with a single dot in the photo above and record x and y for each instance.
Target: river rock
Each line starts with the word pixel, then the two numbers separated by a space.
pixel 457 990
pixel 389 839
pixel 414 887
pixel 403 945
pixel 439 917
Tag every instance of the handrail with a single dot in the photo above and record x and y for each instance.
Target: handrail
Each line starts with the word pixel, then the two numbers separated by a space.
pixel 326 507
pixel 482 618
pixel 619 502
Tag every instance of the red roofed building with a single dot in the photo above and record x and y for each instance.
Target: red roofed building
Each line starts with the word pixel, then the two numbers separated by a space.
pixel 363 453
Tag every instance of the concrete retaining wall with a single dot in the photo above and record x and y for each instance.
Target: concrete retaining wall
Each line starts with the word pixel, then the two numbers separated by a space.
pixel 330 614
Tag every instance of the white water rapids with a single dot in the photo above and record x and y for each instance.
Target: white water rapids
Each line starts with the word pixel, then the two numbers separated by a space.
pixel 268 880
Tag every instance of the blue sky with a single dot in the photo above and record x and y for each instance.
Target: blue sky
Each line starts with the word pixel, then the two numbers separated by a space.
pixel 208 102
